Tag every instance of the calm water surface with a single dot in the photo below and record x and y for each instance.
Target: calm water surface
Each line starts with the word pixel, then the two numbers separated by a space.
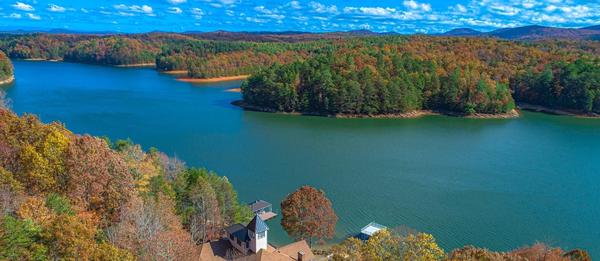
pixel 494 183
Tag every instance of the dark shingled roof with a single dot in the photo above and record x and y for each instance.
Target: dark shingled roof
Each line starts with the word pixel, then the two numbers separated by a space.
pixel 238 231
pixel 257 225
pixel 258 205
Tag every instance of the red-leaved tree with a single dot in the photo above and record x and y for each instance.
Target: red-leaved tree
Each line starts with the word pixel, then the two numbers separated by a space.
pixel 307 214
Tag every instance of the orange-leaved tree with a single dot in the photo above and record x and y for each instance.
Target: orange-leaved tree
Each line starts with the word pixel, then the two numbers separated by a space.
pixel 308 214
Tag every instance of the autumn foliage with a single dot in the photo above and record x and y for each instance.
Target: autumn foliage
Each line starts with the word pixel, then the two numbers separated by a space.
pixel 307 214
pixel 67 196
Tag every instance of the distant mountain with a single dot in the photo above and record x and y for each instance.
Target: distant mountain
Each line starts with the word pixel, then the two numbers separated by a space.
pixel 594 28
pixel 532 32
pixel 463 32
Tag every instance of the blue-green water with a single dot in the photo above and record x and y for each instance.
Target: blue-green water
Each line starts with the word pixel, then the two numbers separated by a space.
pixel 499 184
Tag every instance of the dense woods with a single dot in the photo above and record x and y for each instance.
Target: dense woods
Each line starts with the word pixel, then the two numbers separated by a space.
pixel 338 74
pixel 6 67
pixel 372 76
pixel 67 196
pixel 574 85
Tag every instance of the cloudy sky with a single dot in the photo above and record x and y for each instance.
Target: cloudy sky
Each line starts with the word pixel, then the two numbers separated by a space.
pixel 403 16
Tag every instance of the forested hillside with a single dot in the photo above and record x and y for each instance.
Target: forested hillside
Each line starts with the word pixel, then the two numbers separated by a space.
pixel 338 74
pixel 390 75
pixel 6 68
pixel 68 196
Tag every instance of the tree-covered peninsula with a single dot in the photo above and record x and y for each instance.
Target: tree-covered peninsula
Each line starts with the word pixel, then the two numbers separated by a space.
pixel 6 69
pixel 345 74
pixel 392 75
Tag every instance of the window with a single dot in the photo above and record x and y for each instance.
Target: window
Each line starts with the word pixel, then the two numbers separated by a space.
pixel 261 235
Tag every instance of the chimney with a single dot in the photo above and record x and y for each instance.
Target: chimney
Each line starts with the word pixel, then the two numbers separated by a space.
pixel 301 256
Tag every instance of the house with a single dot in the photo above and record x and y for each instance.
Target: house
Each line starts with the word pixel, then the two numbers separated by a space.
pixel 263 209
pixel 250 242
pixel 369 230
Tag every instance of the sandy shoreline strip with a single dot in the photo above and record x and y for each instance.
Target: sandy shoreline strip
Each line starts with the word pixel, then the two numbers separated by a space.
pixel 8 80
pixel 175 72
pixel 407 115
pixel 217 79
pixel 539 108
pixel 234 90
pixel 136 65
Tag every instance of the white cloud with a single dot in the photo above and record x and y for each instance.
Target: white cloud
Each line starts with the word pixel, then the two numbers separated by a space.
pixel 256 20
pixel 144 9
pixel 228 2
pixel 56 8
pixel 373 11
pixel 23 7
pixel 460 8
pixel 294 5
pixel 414 5
pixel 14 16
pixel 176 2
pixel 321 8
pixel 174 10
pixel 33 16
pixel 501 9
pixel 85 11
pixel 197 13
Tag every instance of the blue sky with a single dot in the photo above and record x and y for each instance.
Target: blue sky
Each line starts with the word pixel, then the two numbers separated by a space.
pixel 403 16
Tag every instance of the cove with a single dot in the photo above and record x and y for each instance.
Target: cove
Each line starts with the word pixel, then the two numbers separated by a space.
pixel 499 184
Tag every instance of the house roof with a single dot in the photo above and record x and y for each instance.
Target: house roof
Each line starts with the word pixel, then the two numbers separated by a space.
pixel 292 250
pixel 222 250
pixel 258 205
pixel 372 228
pixel 239 231
pixel 257 225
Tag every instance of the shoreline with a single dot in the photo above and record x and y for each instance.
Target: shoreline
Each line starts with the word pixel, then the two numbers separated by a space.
pixel 141 65
pixel 406 115
pixel 213 80
pixel 561 112
pixel 9 80
pixel 42 60
pixel 174 72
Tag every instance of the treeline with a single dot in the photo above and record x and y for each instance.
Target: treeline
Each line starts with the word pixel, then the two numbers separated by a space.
pixel 390 75
pixel 573 86
pixel 104 50
pixel 354 75
pixel 6 67
pixel 372 81
pixel 209 59
pixel 66 196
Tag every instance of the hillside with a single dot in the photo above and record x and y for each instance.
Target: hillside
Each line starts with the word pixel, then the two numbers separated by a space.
pixel 395 77
pixel 78 197
pixel 6 69
pixel 463 32
pixel 533 32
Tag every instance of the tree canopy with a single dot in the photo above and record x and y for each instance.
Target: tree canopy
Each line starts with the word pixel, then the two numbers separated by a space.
pixel 308 214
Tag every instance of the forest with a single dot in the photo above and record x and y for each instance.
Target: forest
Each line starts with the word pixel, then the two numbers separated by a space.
pixel 333 74
pixel 6 67
pixel 391 75
pixel 79 197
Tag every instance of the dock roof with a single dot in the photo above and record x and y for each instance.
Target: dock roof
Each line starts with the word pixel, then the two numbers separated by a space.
pixel 259 204
pixel 372 228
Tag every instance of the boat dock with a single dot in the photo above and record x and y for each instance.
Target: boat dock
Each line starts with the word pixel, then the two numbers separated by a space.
pixel 263 209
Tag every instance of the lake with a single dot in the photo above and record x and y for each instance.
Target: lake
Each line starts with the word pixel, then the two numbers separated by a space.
pixel 499 184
